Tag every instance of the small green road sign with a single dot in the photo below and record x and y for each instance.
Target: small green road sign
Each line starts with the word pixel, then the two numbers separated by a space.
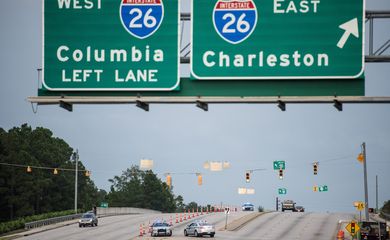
pixel 277 39
pixel 282 191
pixel 279 165
pixel 104 205
pixel 111 45
pixel 323 188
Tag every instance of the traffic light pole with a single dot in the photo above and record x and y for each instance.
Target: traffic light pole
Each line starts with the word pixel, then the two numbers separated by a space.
pixel 76 157
pixel 365 181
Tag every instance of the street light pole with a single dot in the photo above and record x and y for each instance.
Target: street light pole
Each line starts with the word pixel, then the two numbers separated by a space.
pixel 76 158
pixel 365 181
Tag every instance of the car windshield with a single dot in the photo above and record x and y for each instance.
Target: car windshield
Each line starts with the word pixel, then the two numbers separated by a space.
pixel 88 215
pixel 161 225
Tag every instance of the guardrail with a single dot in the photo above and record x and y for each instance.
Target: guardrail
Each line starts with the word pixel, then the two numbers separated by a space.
pixel 49 221
pixel 385 215
pixel 100 213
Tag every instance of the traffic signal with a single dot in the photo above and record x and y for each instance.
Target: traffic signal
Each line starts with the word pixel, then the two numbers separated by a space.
pixel 247 177
pixel 87 173
pixel 280 173
pixel 199 179
pixel 315 188
pixel 315 168
pixel 353 228
pixel 169 180
pixel 360 157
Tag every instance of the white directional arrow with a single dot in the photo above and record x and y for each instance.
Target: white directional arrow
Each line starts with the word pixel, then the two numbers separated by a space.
pixel 350 27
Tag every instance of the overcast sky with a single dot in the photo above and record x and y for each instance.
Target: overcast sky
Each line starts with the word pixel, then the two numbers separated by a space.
pixel 180 138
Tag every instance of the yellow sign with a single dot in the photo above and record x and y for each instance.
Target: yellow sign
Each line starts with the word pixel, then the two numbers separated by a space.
pixel 359 205
pixel 352 228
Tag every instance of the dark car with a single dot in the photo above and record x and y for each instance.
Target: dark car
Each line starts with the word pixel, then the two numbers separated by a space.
pixel 88 219
pixel 161 228
pixel 299 209
pixel 370 230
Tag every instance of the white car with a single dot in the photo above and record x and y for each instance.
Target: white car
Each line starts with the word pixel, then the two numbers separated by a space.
pixel 161 228
pixel 199 228
pixel 248 207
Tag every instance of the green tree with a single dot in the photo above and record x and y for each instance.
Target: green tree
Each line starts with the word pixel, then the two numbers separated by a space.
pixel 137 188
pixel 40 191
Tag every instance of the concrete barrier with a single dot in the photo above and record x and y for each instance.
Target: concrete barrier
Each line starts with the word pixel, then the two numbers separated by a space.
pixel 123 211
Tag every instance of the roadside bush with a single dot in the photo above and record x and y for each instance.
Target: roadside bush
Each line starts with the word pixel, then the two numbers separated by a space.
pixel 260 208
pixel 19 223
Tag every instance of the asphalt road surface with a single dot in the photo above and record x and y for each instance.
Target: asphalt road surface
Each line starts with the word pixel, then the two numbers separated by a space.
pixel 270 226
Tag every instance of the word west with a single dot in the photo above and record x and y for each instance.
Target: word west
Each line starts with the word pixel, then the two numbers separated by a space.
pixel 79 4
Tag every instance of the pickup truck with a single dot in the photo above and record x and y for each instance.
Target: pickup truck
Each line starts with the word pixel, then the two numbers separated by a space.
pixel 288 205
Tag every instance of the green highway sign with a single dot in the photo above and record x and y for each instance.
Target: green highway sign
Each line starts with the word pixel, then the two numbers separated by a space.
pixel 277 39
pixel 279 165
pixel 323 188
pixel 104 205
pixel 111 45
pixel 282 191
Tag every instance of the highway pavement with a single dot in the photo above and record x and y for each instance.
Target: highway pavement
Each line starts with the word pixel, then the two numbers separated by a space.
pixel 269 226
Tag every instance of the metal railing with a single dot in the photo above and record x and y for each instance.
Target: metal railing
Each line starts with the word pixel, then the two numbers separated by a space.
pixel 385 216
pixel 49 221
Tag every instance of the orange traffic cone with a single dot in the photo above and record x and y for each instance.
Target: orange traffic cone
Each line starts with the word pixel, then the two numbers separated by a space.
pixel 185 216
pixel 141 232
pixel 177 218
pixel 340 234
pixel 181 219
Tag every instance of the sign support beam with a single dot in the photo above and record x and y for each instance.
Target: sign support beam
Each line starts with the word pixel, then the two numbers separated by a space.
pixel 68 100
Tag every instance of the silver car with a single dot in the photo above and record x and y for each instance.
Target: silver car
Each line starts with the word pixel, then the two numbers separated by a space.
pixel 161 228
pixel 248 207
pixel 199 229
pixel 88 219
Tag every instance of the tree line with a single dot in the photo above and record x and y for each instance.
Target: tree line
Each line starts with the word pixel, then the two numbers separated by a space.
pixel 41 191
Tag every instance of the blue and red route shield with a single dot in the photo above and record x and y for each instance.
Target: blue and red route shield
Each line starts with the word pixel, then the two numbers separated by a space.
pixel 235 21
pixel 141 18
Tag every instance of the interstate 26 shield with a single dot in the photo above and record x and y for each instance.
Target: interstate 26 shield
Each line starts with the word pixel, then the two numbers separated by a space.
pixel 141 18
pixel 235 21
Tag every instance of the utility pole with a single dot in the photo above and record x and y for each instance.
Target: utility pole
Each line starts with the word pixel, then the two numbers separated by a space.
pixel 376 193
pixel 365 181
pixel 277 204
pixel 76 158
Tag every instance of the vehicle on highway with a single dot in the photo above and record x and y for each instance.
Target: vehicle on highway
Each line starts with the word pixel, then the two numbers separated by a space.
pixel 160 228
pixel 288 205
pixel 370 230
pixel 248 207
pixel 88 219
pixel 199 228
pixel 299 209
